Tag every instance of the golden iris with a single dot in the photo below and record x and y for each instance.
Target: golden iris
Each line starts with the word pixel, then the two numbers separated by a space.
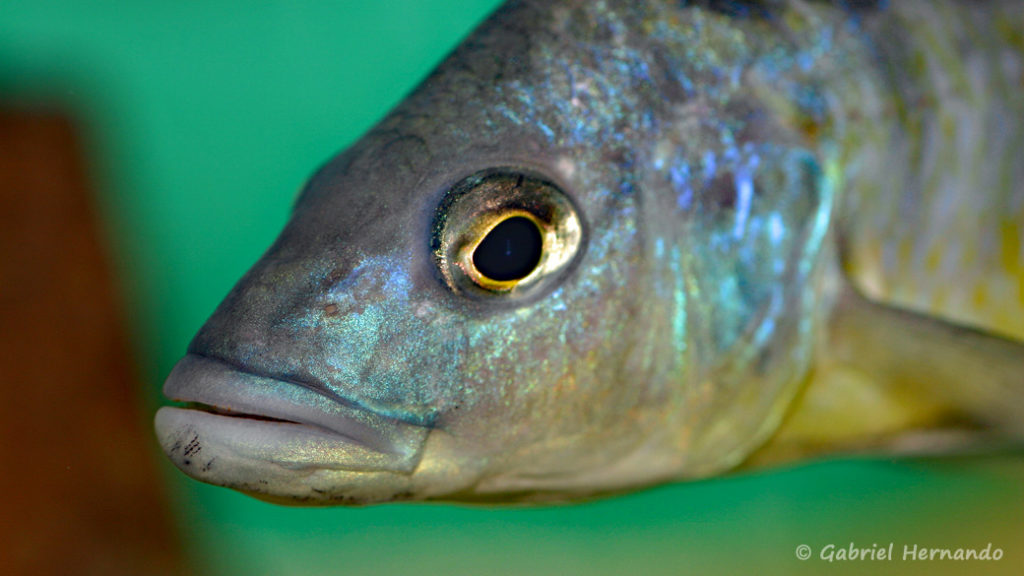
pixel 505 232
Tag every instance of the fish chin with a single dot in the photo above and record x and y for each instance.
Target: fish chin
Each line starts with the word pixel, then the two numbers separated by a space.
pixel 281 462
pixel 283 441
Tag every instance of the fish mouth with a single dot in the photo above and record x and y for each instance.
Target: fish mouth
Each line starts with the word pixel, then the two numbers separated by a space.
pixel 264 435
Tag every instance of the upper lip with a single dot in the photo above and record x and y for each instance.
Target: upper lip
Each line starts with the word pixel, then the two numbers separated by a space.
pixel 228 391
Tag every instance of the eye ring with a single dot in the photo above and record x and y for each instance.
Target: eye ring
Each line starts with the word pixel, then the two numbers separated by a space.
pixel 479 204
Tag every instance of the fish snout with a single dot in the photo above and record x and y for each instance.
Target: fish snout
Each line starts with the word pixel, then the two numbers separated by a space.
pixel 282 440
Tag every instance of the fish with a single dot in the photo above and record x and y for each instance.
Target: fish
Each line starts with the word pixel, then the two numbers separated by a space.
pixel 611 244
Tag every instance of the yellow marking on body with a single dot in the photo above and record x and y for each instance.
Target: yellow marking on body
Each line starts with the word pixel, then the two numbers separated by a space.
pixel 1010 251
pixel 1009 233
pixel 940 300
pixel 1020 287
pixel 863 264
pixel 1010 35
pixel 905 253
pixel 933 261
pixel 980 297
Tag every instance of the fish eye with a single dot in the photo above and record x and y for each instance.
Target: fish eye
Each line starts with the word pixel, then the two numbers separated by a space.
pixel 504 232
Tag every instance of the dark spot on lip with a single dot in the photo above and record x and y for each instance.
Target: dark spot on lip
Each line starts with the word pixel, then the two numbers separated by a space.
pixel 193 446
pixel 331 309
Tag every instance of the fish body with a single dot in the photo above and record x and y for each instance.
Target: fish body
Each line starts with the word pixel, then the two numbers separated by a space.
pixel 679 196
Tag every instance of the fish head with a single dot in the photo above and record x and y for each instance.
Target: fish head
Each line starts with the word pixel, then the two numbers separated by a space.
pixel 539 278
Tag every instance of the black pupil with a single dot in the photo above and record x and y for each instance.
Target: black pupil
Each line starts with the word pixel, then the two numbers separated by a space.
pixel 510 251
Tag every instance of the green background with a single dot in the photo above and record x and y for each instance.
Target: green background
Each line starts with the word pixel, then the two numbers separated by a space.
pixel 202 120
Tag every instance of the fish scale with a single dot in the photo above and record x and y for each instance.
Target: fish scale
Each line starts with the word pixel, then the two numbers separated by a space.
pixel 943 234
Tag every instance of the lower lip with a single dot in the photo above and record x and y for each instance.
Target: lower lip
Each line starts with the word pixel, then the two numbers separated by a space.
pixel 195 440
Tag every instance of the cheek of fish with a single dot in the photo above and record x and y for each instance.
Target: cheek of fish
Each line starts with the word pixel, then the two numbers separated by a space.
pixel 581 258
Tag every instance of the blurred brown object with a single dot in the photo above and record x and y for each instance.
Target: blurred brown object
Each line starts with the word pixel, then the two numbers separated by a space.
pixel 80 487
